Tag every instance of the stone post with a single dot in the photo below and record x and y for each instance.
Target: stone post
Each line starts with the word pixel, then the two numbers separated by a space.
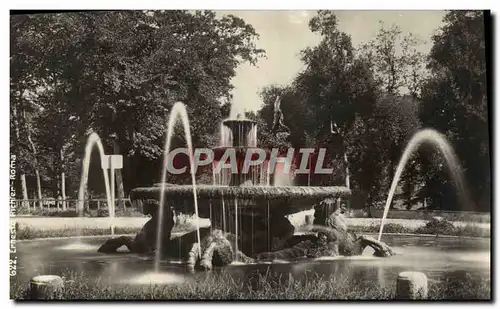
pixel 46 287
pixel 411 285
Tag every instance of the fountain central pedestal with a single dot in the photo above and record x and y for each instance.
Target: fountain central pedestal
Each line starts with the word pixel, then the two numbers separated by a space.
pixel 242 203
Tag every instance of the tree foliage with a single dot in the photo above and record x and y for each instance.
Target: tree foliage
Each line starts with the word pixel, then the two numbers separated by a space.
pixel 454 101
pixel 381 94
pixel 339 85
pixel 118 74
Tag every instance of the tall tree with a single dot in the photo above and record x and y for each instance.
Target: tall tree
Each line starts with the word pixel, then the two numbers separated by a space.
pixel 398 67
pixel 455 102
pixel 341 86
pixel 23 86
pixel 395 60
pixel 118 73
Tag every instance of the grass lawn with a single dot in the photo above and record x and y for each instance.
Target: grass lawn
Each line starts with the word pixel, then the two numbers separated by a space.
pixel 221 286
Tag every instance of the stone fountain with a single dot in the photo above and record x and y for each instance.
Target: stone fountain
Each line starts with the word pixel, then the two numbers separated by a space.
pixel 243 203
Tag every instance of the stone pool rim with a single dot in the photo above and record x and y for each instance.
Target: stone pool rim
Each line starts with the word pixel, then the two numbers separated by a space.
pixel 250 192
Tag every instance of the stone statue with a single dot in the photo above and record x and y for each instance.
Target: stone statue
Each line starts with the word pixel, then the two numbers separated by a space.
pixel 278 124
pixel 334 129
pixel 331 240
pixel 145 240
pixel 218 248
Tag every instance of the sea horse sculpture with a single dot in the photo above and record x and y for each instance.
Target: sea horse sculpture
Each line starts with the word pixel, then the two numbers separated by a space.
pixel 217 247
pixel 145 240
pixel 331 240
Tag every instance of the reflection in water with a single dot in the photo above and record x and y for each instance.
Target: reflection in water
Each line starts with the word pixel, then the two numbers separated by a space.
pixel 152 278
pixel 381 277
pixel 78 246
pixel 336 258
pixel 280 262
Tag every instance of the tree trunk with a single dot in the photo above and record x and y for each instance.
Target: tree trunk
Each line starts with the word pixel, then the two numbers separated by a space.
pixel 392 170
pixel 369 210
pixel 39 188
pixel 347 178
pixel 33 149
pixel 119 178
pixel 334 130
pixel 37 174
pixel 63 180
pixel 63 190
pixel 25 191
pixel 18 137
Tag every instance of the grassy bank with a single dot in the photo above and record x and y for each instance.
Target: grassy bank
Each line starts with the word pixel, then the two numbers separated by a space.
pixel 432 227
pixel 478 217
pixel 222 286
pixel 395 214
pixel 73 213
pixel 24 232
pixel 186 223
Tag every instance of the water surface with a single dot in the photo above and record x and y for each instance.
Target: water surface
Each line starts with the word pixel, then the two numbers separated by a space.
pixel 436 257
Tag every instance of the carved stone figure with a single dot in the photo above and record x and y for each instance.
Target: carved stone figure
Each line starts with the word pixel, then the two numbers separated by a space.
pixel 218 248
pixel 278 121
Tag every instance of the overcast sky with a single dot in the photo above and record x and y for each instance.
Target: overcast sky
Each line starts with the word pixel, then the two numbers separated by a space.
pixel 284 33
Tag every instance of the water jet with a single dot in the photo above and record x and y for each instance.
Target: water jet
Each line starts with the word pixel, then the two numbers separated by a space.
pixel 440 142
pixel 94 141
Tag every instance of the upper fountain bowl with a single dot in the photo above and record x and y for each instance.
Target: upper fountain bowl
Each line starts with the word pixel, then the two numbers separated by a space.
pixel 251 199
pixel 239 131
pixel 233 123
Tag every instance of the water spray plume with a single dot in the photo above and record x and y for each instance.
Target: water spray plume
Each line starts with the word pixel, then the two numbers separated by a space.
pixel 440 142
pixel 93 140
pixel 178 112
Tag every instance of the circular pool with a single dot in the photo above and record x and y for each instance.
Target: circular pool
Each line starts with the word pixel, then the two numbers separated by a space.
pixel 437 257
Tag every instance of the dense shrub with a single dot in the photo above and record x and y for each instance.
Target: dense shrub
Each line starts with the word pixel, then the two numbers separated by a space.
pixel 437 226
pixel 70 213
pixel 396 228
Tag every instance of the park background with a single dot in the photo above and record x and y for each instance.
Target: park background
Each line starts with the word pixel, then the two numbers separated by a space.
pixel 119 73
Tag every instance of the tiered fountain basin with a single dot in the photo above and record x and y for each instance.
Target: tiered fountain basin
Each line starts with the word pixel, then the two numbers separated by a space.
pixel 249 199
